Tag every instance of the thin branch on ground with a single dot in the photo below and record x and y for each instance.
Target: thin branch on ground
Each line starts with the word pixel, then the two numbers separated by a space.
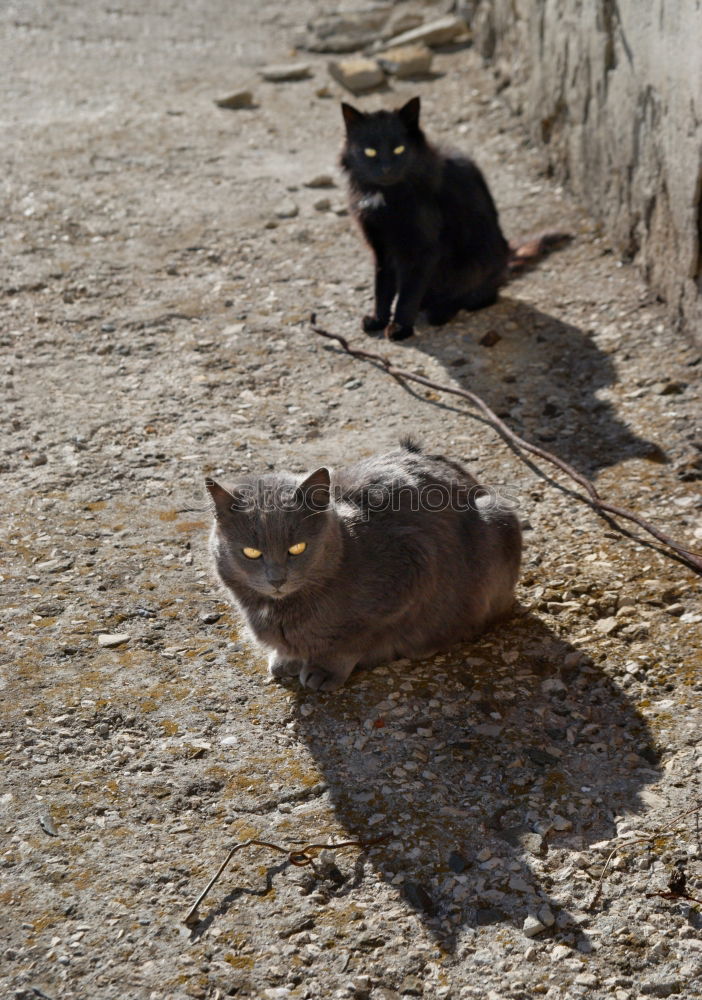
pixel 693 559
pixel 668 831
pixel 299 856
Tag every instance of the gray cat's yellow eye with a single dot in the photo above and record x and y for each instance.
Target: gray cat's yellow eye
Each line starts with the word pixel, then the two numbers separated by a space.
pixel 398 149
pixel 297 549
pixel 252 553
pixel 370 152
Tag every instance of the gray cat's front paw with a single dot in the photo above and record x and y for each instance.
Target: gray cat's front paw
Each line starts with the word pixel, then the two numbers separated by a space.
pixel 321 679
pixel 279 667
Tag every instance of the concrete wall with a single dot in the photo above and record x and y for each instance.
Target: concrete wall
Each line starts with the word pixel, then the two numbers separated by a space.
pixel 613 88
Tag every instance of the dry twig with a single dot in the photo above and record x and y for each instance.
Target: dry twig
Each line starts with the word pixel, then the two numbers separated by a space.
pixel 299 857
pixel 693 559
pixel 646 839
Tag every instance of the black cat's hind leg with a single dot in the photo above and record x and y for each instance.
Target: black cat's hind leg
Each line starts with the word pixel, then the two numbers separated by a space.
pixel 441 311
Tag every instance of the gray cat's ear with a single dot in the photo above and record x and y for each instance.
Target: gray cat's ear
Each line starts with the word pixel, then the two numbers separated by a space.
pixel 314 492
pixel 351 115
pixel 409 113
pixel 224 500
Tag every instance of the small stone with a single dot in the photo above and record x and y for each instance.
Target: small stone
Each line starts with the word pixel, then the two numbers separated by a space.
pixel 660 987
pixel 586 979
pixel 407 61
pixel 456 863
pixel 322 205
pixel 108 327
pixel 296 925
pixel 672 388
pixel 546 916
pixel 561 823
pixel 675 609
pixel 491 338
pixel 353 383
pixel 102 729
pixel 321 181
pixel 484 855
pixel 411 986
pixel 438 32
pixel 357 74
pixel 532 926
pixel 229 741
pixel 54 565
pixel 210 617
pixel 286 73
pixel 560 952
pixel 607 626
pixel 347 31
pixel 235 102
pixel 286 210
pixel 110 640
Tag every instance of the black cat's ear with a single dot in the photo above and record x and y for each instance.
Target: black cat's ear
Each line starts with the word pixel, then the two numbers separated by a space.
pixel 314 492
pixel 351 115
pixel 224 500
pixel 409 114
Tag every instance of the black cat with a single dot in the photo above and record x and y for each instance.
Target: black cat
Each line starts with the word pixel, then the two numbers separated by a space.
pixel 429 218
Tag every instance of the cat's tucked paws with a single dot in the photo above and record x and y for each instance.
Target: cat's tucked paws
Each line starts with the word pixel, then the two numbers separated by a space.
pixel 393 331
pixel 279 667
pixel 371 324
pixel 319 679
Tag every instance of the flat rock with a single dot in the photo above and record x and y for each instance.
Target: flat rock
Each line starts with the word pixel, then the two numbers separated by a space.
pixel 406 61
pixel 286 209
pixel 109 640
pixel 286 72
pixel 439 32
pixel 357 74
pixel 321 181
pixel 236 101
pixel 346 32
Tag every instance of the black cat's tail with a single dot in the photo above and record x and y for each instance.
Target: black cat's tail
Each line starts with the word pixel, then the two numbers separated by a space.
pixel 528 253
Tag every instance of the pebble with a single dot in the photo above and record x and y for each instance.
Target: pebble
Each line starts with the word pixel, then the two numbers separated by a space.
pixel 607 626
pixel 357 74
pixel 438 32
pixel 322 205
pixel 109 640
pixel 407 61
pixel 560 952
pixel 660 987
pixel 345 32
pixel 321 181
pixel 54 565
pixel 210 617
pixel 546 916
pixel 532 926
pixel 237 101
pixel 286 72
pixel 286 210
pixel 586 979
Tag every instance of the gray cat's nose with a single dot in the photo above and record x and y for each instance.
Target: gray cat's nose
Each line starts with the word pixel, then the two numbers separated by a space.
pixel 276 579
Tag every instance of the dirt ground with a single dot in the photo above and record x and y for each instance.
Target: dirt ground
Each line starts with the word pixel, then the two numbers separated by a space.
pixel 161 257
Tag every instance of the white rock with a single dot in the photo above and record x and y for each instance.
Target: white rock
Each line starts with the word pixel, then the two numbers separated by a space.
pixel 407 60
pixel 532 926
pixel 357 74
pixel 108 641
pixel 560 952
pixel 286 210
pixel 439 32
pixel 286 72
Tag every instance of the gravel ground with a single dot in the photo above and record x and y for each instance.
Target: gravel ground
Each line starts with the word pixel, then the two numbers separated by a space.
pixel 160 259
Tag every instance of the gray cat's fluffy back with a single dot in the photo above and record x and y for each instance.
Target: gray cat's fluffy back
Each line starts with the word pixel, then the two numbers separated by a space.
pixel 404 554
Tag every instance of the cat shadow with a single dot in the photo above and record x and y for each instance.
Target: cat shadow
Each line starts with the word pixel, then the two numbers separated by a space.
pixel 544 377
pixel 484 771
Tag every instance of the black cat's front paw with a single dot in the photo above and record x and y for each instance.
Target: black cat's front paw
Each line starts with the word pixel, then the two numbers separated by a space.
pixel 393 331
pixel 371 324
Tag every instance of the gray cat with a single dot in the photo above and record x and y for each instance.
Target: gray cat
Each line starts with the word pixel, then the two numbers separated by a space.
pixel 400 555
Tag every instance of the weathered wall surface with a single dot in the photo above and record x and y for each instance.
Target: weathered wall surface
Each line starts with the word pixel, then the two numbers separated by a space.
pixel 613 88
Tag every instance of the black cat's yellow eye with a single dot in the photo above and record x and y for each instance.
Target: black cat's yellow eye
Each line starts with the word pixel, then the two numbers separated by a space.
pixel 398 150
pixel 370 151
pixel 297 549
pixel 252 553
